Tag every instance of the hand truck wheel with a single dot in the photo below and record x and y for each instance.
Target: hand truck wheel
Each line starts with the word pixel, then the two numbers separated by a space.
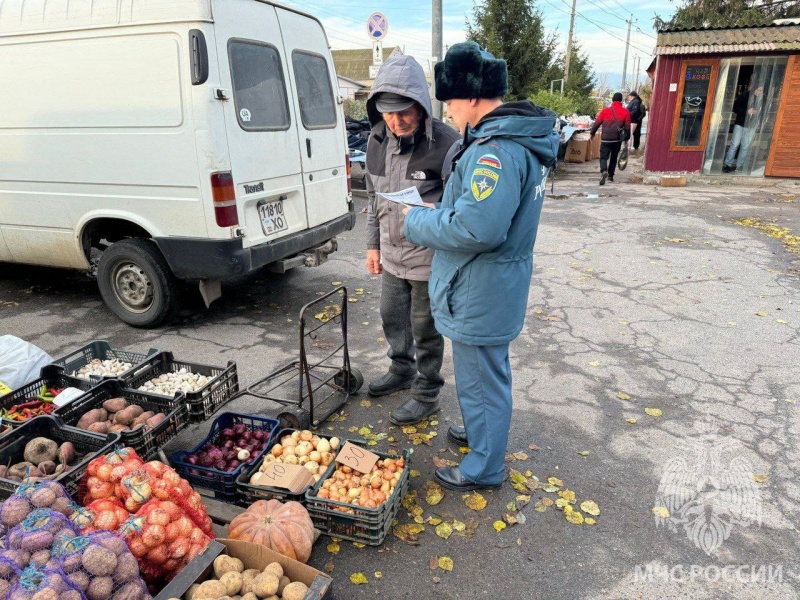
pixel 356 380
pixel 294 418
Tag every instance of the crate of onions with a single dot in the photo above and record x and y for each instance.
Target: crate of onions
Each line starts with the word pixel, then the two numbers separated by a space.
pixel 360 507
pixel 289 446
pixel 233 443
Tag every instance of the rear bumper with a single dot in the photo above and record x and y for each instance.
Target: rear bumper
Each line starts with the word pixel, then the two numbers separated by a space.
pixel 197 258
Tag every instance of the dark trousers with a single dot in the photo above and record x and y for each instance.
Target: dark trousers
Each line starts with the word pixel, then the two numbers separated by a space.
pixel 609 152
pixel 415 347
pixel 637 135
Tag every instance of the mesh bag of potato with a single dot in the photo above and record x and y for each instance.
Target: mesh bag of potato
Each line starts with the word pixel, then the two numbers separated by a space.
pixel 9 575
pixel 101 566
pixel 43 584
pixel 32 496
pixel 36 534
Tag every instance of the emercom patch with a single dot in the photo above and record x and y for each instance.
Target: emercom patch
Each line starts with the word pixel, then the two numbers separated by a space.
pixel 483 183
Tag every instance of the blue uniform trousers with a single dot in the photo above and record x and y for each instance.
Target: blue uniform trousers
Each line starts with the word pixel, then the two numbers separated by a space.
pixel 483 383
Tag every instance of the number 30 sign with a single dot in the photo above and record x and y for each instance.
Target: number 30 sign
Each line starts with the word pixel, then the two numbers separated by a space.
pixel 357 458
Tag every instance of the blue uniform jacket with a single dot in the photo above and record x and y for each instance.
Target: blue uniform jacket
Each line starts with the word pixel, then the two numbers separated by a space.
pixel 484 230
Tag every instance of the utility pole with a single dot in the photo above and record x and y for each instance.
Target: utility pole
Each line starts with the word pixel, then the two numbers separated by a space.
pixel 436 51
pixel 627 45
pixel 568 57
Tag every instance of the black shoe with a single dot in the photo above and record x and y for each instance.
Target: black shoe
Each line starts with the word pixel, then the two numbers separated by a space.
pixel 603 177
pixel 458 435
pixel 389 384
pixel 727 169
pixel 452 479
pixel 610 180
pixel 413 411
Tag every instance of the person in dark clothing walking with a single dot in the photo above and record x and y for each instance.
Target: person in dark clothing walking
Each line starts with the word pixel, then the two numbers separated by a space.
pixel 740 111
pixel 407 148
pixel 637 110
pixel 612 119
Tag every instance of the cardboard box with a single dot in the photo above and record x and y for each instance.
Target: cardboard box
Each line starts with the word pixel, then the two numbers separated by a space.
pixel 594 147
pixel 576 150
pixel 254 556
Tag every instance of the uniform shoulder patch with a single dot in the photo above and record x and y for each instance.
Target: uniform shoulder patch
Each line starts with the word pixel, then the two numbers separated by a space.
pixel 483 183
pixel 490 160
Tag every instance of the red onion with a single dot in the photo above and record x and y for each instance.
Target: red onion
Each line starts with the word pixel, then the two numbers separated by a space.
pixel 228 444
pixel 232 465
pixel 228 433
pixel 221 465
pixel 240 428
pixel 192 459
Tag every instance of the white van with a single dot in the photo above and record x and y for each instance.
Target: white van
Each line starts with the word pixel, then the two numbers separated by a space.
pixel 175 139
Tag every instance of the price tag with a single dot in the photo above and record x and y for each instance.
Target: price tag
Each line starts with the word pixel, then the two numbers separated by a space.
pixel 294 478
pixel 357 458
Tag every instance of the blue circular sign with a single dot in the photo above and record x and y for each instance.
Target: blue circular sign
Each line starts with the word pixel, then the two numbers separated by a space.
pixel 377 26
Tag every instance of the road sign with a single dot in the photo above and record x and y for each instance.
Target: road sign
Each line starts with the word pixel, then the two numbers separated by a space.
pixel 373 71
pixel 377 26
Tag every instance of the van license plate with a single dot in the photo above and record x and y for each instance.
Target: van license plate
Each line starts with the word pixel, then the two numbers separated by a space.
pixel 273 218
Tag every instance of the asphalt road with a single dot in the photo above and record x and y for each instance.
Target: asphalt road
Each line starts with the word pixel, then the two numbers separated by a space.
pixel 642 298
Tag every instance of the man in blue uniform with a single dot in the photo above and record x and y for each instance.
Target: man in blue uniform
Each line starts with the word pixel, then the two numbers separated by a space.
pixel 483 235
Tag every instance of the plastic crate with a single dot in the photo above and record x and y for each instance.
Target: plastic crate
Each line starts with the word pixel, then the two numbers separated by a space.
pixel 368 526
pixel 222 483
pixel 204 402
pixel 146 442
pixel 249 493
pixel 50 376
pixel 100 349
pixel 88 445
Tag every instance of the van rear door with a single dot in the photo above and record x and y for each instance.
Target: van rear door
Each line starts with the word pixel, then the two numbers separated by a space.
pixel 260 121
pixel 321 127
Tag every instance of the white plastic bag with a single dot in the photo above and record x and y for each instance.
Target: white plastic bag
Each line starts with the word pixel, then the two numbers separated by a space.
pixel 20 361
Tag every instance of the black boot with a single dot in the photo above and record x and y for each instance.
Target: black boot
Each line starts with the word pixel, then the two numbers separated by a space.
pixel 458 435
pixel 389 384
pixel 413 411
pixel 452 479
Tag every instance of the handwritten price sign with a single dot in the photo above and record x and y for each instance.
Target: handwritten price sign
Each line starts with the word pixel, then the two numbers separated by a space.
pixel 357 458
pixel 291 477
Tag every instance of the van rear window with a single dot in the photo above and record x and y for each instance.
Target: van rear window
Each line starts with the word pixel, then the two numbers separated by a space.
pixel 259 91
pixel 317 107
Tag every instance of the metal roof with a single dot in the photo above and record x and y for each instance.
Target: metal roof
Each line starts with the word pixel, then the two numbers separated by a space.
pixel 767 38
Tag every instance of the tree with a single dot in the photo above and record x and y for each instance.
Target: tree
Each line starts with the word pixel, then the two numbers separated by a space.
pixel 727 13
pixel 581 76
pixel 513 30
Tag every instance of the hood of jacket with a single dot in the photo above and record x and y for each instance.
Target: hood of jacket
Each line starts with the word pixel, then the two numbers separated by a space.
pixel 401 75
pixel 531 126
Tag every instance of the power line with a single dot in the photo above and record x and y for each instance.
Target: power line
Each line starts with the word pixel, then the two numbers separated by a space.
pixel 608 10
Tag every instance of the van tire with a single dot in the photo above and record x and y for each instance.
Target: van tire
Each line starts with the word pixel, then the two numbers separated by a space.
pixel 137 284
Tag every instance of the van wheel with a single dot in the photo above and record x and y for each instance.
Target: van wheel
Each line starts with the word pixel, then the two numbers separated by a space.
pixel 136 283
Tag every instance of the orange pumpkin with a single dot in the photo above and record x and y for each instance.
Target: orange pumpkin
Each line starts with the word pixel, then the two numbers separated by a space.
pixel 284 528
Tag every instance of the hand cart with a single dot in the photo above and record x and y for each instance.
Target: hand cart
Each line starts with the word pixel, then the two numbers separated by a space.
pixel 328 380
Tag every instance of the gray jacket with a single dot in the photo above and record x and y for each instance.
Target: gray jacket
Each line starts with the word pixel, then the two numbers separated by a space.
pixel 394 164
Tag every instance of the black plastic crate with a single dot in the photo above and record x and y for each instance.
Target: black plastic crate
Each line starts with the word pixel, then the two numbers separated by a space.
pixel 102 350
pixel 146 442
pixel 50 376
pixel 204 402
pixel 88 445
pixel 368 526
pixel 249 493
pixel 222 483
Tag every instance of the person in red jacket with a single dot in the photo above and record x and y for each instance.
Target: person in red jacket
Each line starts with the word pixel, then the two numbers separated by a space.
pixel 612 119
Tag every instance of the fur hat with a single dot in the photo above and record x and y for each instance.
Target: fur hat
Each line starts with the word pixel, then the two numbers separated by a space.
pixel 469 72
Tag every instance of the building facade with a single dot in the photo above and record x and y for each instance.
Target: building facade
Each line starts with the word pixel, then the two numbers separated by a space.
pixel 726 102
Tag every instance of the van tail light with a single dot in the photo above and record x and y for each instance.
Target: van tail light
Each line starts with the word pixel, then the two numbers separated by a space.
pixel 224 195
pixel 349 170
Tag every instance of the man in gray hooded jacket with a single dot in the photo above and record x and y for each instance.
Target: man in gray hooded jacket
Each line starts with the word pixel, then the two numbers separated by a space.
pixel 407 147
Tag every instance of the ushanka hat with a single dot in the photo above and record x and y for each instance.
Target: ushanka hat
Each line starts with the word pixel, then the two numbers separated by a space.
pixel 467 71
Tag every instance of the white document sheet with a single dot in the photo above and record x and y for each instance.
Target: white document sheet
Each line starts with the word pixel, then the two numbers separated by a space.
pixel 409 196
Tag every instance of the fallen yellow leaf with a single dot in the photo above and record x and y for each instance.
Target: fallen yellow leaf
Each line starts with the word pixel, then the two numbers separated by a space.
pixel 567 495
pixel 336 283
pixel 434 521
pixel 653 412
pixel 378 574
pixel 584 453
pixel 595 363
pixel 761 314
pixel 589 521
pixel 445 563
pixel 573 516
pixel 444 530
pixel 760 478
pixel 623 396
pixel 781 321
pixel 590 507
pixel 555 481
pixel 464 450
pixel 476 501
pixel 333 548
pixel 520 456
pixel 434 494
pixel 631 421
pixel 459 526
pixel 661 511
pixel 358 578
pixel 499 526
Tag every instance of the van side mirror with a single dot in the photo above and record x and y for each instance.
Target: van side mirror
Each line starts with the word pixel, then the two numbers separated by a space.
pixel 199 50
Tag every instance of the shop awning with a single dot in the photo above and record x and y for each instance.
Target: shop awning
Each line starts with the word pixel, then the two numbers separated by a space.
pixel 740 40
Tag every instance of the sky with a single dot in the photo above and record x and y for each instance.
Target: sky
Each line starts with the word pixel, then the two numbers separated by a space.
pixel 600 26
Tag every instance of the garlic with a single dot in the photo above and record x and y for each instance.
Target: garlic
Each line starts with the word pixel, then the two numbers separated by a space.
pixel 99 368
pixel 169 384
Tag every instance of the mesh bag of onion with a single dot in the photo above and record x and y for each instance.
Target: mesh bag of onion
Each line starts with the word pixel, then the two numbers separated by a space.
pixel 31 496
pixel 102 515
pixel 44 584
pixel 104 475
pixel 36 534
pixel 164 539
pixel 101 566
